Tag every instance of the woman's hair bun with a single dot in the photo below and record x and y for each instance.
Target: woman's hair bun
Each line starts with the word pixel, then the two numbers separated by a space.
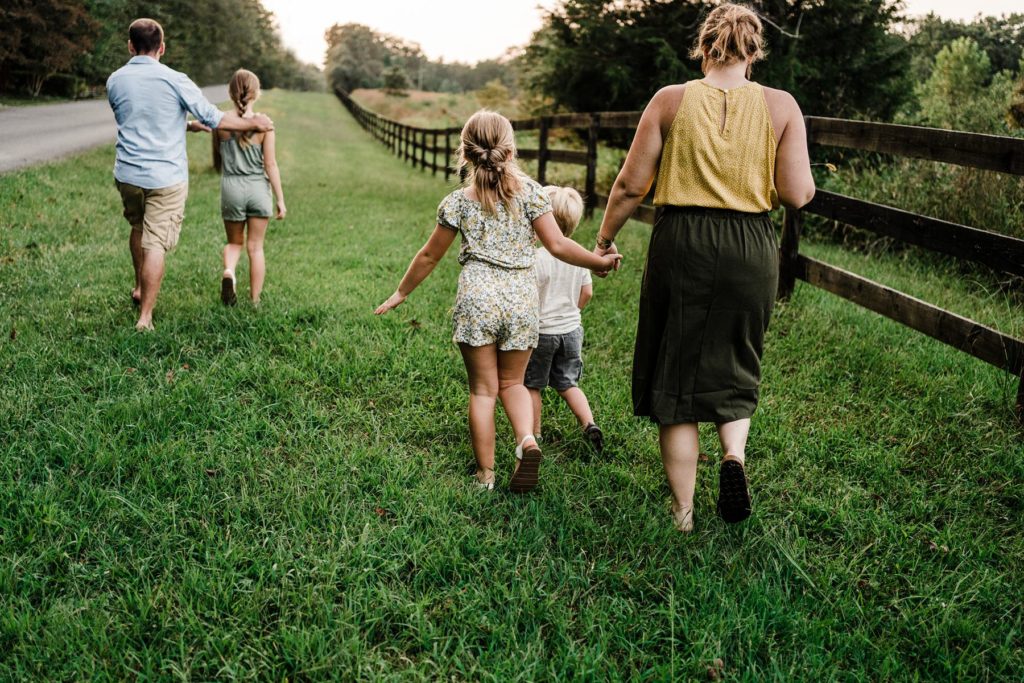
pixel 731 33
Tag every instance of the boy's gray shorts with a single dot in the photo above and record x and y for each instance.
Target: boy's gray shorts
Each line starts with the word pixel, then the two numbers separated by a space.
pixel 557 360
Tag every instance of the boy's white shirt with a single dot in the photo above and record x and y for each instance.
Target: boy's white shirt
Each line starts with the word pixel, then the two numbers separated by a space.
pixel 559 285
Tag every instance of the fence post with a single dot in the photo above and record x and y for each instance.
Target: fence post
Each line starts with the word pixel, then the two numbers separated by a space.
pixel 423 150
pixel 406 132
pixel 789 250
pixel 591 188
pixel 447 154
pixel 542 150
pixel 1020 399
pixel 433 171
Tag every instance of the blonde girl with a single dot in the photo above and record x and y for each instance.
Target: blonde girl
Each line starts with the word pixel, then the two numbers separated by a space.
pixel 499 213
pixel 248 164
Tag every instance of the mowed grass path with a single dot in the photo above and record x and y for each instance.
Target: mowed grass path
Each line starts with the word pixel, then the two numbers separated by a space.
pixel 281 492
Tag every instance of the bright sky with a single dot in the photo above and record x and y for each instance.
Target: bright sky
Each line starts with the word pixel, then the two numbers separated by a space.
pixel 472 30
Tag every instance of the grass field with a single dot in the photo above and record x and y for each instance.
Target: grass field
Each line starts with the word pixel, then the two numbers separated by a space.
pixel 281 493
pixel 425 109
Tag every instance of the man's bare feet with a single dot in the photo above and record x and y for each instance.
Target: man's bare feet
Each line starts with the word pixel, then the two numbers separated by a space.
pixel 144 325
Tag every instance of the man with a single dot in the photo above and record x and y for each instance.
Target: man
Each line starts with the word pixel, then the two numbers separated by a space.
pixel 151 103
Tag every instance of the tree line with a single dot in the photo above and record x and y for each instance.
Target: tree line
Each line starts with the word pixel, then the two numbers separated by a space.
pixel 842 58
pixel 69 47
pixel 361 57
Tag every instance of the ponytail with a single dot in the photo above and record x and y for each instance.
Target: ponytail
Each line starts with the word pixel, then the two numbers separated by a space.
pixel 243 89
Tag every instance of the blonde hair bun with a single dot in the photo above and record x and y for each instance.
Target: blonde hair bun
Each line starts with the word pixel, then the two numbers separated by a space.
pixel 488 146
pixel 731 33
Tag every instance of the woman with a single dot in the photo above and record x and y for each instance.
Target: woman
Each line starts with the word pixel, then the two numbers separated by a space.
pixel 725 150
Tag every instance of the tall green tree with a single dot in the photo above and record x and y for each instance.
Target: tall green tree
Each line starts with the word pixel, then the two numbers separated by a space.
pixel 838 57
pixel 87 39
pixel 961 94
pixel 43 38
pixel 1001 38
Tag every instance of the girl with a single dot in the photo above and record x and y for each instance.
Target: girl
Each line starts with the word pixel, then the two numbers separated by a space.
pixel 499 213
pixel 249 166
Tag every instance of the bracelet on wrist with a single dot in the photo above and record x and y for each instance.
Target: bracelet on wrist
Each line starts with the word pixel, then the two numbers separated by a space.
pixel 604 243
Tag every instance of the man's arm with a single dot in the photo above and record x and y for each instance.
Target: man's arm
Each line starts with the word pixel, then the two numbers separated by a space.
pixel 208 115
pixel 230 120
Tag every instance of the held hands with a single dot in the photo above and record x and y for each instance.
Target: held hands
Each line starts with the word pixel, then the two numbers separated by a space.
pixel 612 257
pixel 394 301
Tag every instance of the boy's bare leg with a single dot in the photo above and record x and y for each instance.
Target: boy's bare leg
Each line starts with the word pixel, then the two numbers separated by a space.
pixel 152 276
pixel 578 404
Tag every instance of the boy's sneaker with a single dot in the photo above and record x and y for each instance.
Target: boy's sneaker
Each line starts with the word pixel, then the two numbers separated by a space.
pixel 595 437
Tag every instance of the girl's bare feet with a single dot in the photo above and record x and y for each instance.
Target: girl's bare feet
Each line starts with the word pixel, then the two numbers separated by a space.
pixel 527 472
pixel 485 478
pixel 682 517
pixel 144 325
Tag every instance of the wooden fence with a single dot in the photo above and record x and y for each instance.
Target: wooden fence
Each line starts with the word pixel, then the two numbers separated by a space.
pixel 1002 253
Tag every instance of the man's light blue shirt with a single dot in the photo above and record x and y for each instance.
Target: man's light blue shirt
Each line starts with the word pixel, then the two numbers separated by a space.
pixel 151 103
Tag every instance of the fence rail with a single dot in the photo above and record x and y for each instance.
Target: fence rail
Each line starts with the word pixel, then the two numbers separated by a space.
pixel 1002 253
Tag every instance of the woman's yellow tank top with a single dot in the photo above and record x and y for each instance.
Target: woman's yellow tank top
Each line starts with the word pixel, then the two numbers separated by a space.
pixel 704 163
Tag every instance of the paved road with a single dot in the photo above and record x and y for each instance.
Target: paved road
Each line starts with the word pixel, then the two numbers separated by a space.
pixel 34 134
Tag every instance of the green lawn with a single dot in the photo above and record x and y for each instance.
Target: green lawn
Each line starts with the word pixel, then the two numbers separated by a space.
pixel 282 493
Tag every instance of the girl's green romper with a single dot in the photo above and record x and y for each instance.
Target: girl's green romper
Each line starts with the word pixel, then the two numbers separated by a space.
pixel 244 186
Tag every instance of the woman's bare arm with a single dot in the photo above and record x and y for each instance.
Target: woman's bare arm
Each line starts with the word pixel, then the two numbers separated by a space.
pixel 793 180
pixel 641 166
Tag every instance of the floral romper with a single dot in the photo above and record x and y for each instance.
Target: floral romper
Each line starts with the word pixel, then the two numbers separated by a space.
pixel 497 299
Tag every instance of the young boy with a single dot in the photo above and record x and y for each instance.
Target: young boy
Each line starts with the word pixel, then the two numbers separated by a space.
pixel 564 290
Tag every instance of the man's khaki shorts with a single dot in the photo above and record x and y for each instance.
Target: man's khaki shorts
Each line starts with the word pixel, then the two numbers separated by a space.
pixel 157 214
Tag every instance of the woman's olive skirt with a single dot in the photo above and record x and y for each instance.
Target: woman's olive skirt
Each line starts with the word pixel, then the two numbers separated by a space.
pixel 708 291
